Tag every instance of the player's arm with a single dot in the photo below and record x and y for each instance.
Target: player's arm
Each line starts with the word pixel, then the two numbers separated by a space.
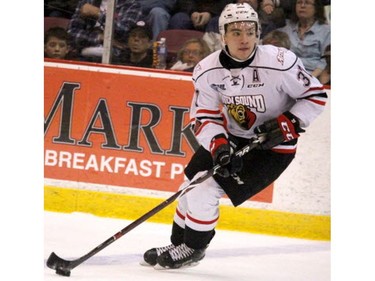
pixel 310 98
pixel 308 92
pixel 207 118
pixel 210 131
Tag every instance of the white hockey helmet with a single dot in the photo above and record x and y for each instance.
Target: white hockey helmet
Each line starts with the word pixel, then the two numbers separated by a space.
pixel 235 13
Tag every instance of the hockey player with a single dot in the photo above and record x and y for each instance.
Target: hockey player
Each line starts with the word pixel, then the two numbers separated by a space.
pixel 242 92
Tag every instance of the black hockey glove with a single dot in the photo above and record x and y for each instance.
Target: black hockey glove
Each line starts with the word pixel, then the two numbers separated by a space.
pixel 223 154
pixel 275 131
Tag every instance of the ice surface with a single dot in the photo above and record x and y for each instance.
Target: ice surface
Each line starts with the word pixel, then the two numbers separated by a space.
pixel 232 255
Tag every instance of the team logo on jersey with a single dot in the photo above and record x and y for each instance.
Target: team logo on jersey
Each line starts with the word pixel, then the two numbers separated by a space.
pixel 242 115
pixel 254 102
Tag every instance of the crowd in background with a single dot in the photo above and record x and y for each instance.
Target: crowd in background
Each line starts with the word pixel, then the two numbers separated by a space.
pixel 303 26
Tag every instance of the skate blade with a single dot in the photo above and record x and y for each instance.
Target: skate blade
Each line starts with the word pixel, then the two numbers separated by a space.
pixel 159 267
pixel 144 263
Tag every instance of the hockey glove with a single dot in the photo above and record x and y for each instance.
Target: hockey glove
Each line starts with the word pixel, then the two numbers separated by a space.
pixel 275 131
pixel 223 155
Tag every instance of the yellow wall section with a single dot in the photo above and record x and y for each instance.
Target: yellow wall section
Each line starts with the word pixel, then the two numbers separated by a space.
pixel 131 207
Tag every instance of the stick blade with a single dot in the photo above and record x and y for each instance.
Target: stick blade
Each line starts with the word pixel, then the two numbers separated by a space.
pixel 61 266
pixel 53 260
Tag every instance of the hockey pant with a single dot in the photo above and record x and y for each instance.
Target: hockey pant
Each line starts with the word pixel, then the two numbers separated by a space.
pixel 197 212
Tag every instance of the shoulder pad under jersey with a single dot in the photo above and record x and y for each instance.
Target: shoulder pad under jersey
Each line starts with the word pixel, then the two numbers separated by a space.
pixel 270 56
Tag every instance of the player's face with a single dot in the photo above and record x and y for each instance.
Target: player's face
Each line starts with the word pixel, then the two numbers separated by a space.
pixel 241 38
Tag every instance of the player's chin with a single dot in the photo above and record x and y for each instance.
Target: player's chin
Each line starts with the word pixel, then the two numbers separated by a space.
pixel 243 54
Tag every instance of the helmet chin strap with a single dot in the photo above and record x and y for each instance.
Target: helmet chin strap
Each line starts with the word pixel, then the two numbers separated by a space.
pixel 238 60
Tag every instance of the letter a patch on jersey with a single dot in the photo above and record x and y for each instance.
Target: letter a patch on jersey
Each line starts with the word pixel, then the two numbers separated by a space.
pixel 256 76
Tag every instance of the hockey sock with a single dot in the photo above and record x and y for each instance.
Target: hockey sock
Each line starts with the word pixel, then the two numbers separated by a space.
pixel 177 236
pixel 197 239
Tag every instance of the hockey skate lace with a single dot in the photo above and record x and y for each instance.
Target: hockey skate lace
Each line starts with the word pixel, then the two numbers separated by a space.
pixel 180 252
pixel 161 250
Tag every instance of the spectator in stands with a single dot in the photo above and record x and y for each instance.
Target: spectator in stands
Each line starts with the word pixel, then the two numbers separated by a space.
pixel 56 44
pixel 277 38
pixel 286 5
pixel 202 15
pixel 270 15
pixel 87 26
pixel 59 8
pixel 158 13
pixel 325 76
pixel 138 51
pixel 309 34
pixel 190 54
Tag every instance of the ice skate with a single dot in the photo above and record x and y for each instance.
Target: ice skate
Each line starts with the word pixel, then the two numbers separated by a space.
pixel 150 256
pixel 179 256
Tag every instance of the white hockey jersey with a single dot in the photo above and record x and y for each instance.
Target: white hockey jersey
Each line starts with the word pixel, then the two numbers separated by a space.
pixel 237 100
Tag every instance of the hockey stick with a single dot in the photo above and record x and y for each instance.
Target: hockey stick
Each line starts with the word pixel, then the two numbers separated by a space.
pixel 63 267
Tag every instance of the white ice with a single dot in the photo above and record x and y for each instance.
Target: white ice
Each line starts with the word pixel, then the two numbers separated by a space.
pixel 232 255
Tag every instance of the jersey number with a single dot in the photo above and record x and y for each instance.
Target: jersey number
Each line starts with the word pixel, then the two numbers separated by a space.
pixel 304 77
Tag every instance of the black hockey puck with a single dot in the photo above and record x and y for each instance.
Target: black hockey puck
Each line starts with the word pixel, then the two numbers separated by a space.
pixel 63 272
